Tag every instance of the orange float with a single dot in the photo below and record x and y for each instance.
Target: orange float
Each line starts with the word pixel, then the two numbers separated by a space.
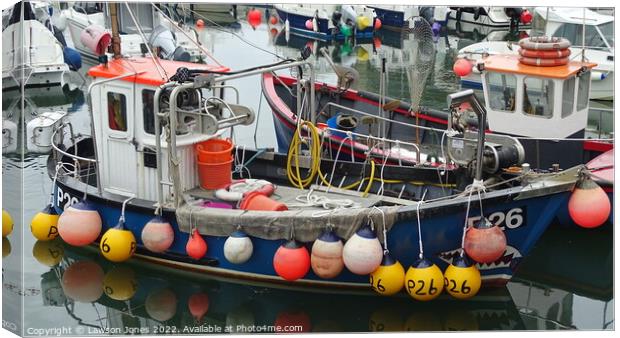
pixel 545 54
pixel 543 62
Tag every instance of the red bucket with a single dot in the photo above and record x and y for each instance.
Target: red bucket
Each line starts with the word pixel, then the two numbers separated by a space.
pixel 215 176
pixel 214 150
pixel 258 201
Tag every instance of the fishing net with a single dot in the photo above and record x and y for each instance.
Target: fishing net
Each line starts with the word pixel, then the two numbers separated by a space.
pixel 419 64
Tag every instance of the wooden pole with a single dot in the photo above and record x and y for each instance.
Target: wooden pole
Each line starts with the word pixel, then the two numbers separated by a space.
pixel 116 39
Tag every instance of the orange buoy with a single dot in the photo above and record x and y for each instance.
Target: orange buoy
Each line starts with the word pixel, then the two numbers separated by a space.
pixel 539 62
pixel 82 281
pixel 462 67
pixel 254 17
pixel 273 20
pixel 326 258
pixel 376 42
pixel 198 304
pixel 378 24
pixel 157 235
pixel 526 17
pixel 362 253
pixel 544 54
pixel 309 25
pixel 589 205
pixel 291 261
pixel 485 242
pixel 196 246
pixel 79 224
pixel 200 23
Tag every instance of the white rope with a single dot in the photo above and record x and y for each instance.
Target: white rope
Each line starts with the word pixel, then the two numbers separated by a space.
pixel 465 225
pixel 385 243
pixel 308 200
pixel 421 255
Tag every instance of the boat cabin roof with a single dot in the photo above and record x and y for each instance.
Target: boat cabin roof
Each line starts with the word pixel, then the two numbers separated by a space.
pixel 148 71
pixel 574 15
pixel 510 64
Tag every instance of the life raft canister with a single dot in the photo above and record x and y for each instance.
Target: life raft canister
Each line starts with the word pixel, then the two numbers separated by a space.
pixel 236 190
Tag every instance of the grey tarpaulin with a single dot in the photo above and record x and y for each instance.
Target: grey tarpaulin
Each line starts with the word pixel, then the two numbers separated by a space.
pixel 273 225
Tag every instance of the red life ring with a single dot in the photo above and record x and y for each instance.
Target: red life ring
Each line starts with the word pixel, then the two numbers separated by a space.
pixel 543 62
pixel 545 54
pixel 236 190
pixel 544 43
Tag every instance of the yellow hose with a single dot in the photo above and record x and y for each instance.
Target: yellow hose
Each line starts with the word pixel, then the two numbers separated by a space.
pixel 294 176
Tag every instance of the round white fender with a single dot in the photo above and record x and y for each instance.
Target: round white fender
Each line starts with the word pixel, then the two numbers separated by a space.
pixel 236 190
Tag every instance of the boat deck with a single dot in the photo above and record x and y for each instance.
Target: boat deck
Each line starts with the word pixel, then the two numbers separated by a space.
pixel 297 199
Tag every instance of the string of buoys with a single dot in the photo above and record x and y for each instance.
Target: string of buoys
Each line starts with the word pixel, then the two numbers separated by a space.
pixel 462 278
pixel 362 253
pixel 424 280
pixel 389 278
pixel 485 242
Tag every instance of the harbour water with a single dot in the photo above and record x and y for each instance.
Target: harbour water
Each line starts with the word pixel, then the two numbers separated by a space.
pixel 565 284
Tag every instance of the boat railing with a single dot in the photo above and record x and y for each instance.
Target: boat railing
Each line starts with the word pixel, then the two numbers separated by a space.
pixel 171 115
pixel 596 114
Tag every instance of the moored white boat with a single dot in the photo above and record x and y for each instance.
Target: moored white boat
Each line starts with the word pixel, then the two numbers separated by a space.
pixel 511 17
pixel 567 23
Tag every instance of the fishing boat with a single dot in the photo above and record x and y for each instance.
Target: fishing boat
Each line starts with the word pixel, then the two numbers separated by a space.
pixel 328 22
pixel 596 46
pixel 89 23
pixel 508 17
pixel 396 17
pixel 34 51
pixel 126 172
pixel 565 123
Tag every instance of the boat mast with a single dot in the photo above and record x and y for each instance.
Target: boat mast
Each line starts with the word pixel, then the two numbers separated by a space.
pixel 116 39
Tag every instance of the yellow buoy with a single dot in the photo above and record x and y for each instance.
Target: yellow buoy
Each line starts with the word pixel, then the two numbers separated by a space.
pixel 120 283
pixel 48 253
pixel 462 279
pixel 424 280
pixel 363 22
pixel 389 277
pixel 44 225
pixel 118 244
pixel 7 223
pixel 6 247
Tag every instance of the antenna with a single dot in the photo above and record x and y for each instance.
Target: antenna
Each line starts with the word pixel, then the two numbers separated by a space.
pixel 583 37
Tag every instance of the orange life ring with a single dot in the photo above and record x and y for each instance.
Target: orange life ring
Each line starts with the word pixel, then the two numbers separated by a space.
pixel 236 190
pixel 543 62
pixel 545 54
pixel 544 43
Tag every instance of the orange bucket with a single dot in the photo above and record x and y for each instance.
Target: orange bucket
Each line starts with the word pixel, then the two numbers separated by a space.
pixel 257 201
pixel 214 150
pixel 215 176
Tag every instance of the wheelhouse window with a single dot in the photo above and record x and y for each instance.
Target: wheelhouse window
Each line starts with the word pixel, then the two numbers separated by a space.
pixel 148 115
pixel 583 90
pixel 117 111
pixel 538 97
pixel 568 97
pixel 502 90
pixel 594 38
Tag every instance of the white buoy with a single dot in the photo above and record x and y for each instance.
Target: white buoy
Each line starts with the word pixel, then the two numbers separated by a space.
pixel 362 253
pixel 157 235
pixel 238 247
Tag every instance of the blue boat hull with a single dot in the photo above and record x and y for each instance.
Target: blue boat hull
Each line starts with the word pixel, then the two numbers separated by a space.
pixel 297 24
pixel 391 19
pixel 524 222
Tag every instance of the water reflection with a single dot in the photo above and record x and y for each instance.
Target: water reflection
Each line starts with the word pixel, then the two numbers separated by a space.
pixel 139 295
